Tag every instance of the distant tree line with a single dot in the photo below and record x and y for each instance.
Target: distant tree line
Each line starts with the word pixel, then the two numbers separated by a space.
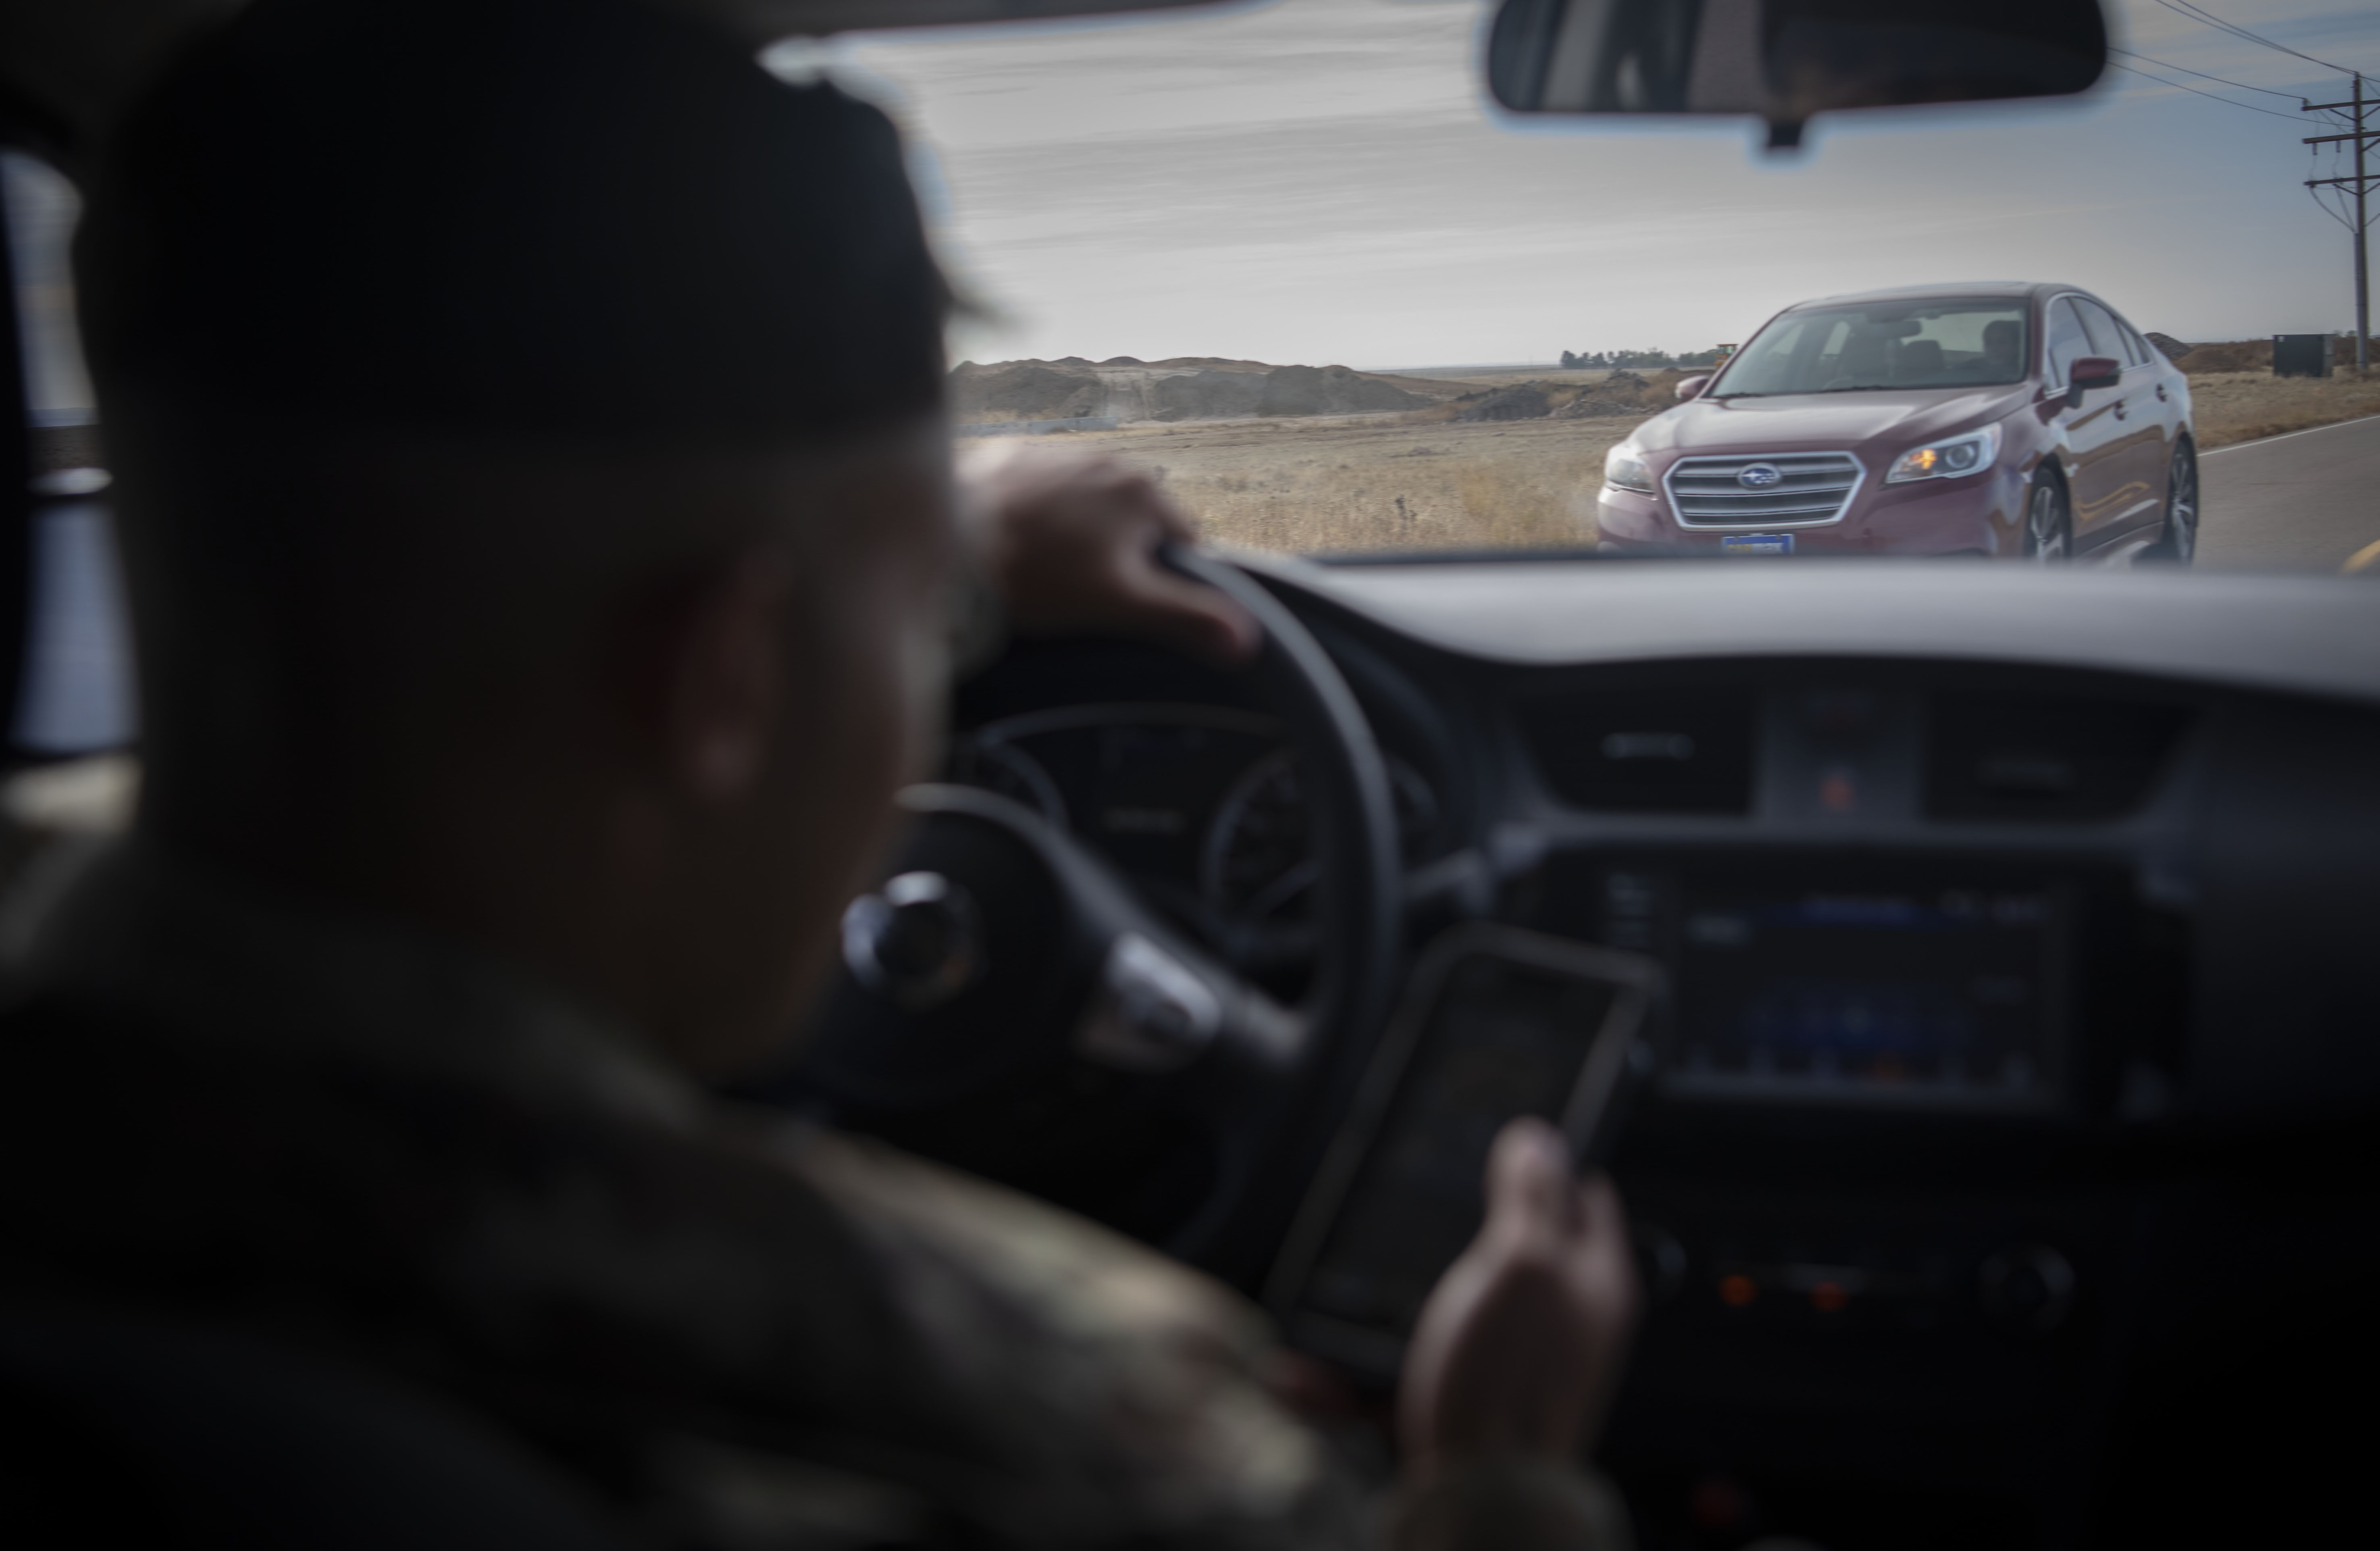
pixel 1573 362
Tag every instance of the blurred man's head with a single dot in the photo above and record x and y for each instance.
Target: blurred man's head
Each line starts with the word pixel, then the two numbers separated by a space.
pixel 533 482
pixel 2000 343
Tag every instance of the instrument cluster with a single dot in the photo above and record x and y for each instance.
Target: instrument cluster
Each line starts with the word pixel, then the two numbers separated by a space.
pixel 1203 807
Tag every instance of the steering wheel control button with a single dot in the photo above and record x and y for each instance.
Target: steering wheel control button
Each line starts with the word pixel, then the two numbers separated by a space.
pixel 917 941
pixel 1152 1012
pixel 2029 1289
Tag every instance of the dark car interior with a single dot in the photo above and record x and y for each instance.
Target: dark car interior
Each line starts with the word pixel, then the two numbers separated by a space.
pixel 1904 1289
pixel 2008 1177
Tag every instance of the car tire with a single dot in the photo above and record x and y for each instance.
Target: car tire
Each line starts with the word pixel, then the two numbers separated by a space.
pixel 2177 543
pixel 2048 528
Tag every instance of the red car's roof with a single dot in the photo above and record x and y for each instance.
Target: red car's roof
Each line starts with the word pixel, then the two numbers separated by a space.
pixel 2010 288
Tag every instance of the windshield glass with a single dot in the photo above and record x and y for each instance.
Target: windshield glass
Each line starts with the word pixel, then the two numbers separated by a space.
pixel 1845 349
pixel 1292 261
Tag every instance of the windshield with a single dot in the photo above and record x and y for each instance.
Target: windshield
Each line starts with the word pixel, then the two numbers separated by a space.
pixel 1846 349
pixel 1290 261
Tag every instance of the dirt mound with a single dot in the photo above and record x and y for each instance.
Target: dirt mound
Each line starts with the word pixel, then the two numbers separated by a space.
pixel 1626 393
pixel 2244 355
pixel 1526 401
pixel 1206 395
pixel 2174 349
pixel 1435 389
pixel 1331 390
pixel 1587 408
pixel 1182 388
pixel 1222 362
pixel 1025 391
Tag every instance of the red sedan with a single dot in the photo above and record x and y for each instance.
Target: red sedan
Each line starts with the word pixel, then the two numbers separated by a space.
pixel 2015 420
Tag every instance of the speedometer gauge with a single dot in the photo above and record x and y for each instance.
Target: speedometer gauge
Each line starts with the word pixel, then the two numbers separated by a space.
pixel 1259 864
pixel 1259 853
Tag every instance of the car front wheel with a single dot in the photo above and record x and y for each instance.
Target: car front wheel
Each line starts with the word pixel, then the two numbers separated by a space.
pixel 2048 538
pixel 2178 543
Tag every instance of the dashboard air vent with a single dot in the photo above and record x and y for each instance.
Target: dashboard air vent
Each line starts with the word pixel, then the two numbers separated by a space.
pixel 1644 751
pixel 2022 758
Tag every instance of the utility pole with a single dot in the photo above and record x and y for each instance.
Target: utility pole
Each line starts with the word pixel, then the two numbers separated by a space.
pixel 2362 137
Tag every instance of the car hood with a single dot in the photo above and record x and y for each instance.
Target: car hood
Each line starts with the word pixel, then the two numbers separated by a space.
pixel 1832 422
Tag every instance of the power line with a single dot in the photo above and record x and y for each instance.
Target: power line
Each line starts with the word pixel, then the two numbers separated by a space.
pixel 2198 13
pixel 2208 95
pixel 2291 96
pixel 2184 8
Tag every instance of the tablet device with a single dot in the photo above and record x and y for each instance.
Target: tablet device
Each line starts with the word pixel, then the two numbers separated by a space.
pixel 1496 1023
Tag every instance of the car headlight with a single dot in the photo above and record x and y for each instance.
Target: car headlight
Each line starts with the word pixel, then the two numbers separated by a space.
pixel 1622 467
pixel 1948 458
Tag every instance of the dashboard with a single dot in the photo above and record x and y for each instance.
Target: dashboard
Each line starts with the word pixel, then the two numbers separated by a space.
pixel 2016 928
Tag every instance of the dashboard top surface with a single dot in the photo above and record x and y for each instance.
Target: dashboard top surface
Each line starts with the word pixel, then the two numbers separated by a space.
pixel 2317 635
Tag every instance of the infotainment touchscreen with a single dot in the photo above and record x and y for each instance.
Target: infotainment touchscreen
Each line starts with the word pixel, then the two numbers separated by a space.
pixel 1903 989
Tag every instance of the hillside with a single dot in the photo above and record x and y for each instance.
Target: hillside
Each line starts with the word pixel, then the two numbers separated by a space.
pixel 1181 388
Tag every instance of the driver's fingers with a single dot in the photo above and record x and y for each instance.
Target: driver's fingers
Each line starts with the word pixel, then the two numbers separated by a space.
pixel 1600 1254
pixel 1187 613
pixel 1530 1193
pixel 1172 520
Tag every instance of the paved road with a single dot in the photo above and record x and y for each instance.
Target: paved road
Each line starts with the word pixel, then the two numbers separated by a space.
pixel 2308 500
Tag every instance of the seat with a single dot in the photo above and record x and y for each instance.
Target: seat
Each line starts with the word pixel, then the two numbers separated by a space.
pixel 1920 360
pixel 133 1430
pixel 1862 365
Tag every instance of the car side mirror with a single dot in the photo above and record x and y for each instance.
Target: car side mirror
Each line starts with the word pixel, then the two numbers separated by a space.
pixel 2095 371
pixel 1787 60
pixel 1692 387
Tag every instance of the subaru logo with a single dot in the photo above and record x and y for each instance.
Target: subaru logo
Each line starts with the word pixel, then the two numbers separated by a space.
pixel 1760 476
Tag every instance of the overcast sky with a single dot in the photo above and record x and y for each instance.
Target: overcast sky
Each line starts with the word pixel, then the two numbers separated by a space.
pixel 1323 181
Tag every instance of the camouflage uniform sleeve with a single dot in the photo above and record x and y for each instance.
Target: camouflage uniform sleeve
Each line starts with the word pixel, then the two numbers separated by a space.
pixel 1126 1389
pixel 1121 1389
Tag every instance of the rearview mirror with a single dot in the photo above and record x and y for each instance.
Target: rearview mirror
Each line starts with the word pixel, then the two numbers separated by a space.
pixel 1692 387
pixel 1787 60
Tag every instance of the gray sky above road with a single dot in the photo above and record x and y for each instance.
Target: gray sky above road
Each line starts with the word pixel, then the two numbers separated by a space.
pixel 1323 181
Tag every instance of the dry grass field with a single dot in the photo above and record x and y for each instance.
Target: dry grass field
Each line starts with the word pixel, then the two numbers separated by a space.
pixel 1378 483
pixel 2242 406
pixel 1417 479
pixel 1422 480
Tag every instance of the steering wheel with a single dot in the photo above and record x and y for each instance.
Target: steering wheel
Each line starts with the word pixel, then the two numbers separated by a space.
pixel 1009 1005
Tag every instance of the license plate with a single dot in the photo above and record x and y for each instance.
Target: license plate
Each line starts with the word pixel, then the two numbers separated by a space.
pixel 1756 543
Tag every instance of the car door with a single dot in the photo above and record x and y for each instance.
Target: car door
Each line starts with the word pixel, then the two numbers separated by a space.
pixel 2137 454
pixel 2090 433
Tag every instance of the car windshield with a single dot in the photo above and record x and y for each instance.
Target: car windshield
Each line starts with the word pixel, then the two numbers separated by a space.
pixel 1848 349
pixel 1294 261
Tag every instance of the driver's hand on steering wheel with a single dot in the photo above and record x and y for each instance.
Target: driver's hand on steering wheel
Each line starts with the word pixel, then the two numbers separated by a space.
pixel 1516 1353
pixel 1071 543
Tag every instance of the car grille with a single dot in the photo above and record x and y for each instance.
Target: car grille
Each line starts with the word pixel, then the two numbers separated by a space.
pixel 1815 488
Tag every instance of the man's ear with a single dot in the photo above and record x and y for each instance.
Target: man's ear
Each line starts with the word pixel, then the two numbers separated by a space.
pixel 726 686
